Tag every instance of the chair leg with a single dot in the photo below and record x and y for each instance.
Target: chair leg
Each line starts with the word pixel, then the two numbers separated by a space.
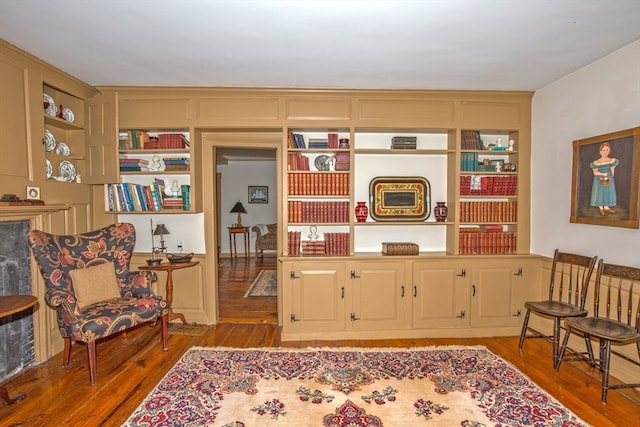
pixel 164 325
pixel 525 326
pixel 565 341
pixel 605 350
pixel 91 355
pixel 556 341
pixel 67 352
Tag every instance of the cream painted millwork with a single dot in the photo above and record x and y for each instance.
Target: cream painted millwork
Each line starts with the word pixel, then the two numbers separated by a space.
pixel 381 299
pixel 441 294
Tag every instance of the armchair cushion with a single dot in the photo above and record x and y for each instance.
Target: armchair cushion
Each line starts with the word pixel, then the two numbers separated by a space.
pixel 95 284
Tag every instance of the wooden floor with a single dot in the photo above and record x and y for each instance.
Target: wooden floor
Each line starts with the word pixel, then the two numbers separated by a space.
pixel 128 370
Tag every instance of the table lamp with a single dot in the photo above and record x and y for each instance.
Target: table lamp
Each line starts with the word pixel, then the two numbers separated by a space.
pixel 160 230
pixel 239 209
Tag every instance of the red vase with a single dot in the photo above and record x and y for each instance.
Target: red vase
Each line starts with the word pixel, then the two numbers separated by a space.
pixel 361 211
pixel 441 211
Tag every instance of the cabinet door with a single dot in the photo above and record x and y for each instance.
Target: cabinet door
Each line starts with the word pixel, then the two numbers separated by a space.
pixel 440 294
pixel 313 296
pixel 102 135
pixel 379 296
pixel 496 293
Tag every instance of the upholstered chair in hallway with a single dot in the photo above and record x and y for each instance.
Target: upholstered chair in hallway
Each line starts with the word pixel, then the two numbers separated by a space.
pixel 88 282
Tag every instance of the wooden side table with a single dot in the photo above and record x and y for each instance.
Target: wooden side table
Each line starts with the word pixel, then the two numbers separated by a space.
pixel 169 269
pixel 232 242
pixel 11 304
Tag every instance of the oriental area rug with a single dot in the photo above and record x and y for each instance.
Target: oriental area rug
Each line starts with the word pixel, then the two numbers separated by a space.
pixel 430 386
pixel 265 285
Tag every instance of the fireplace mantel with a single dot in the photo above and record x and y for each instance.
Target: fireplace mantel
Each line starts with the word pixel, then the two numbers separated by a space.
pixel 29 211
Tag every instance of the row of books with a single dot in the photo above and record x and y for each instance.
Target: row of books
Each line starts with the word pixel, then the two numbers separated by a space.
pixel 336 244
pixel 499 211
pixel 481 185
pixel 471 140
pixel 296 140
pixel 318 212
pixel 474 241
pixel 469 162
pixel 297 161
pixel 141 140
pixel 318 184
pixel 130 197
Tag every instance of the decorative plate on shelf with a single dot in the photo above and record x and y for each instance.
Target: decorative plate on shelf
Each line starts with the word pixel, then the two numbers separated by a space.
pixel 67 171
pixel 67 114
pixel 49 169
pixel 322 163
pixel 63 149
pixel 49 105
pixel 49 141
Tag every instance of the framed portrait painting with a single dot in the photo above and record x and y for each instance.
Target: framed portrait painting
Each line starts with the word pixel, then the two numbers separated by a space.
pixel 604 187
pixel 258 194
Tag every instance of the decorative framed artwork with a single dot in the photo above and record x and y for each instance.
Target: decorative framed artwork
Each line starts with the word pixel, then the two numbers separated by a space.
pixel 399 198
pixel 604 187
pixel 258 194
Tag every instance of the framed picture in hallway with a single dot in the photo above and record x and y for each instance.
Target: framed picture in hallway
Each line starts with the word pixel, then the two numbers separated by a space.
pixel 604 187
pixel 258 194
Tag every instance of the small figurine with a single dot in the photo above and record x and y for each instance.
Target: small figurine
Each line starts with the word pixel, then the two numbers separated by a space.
pixel 314 233
pixel 174 190
pixel 499 141
pixel 511 144
pixel 155 164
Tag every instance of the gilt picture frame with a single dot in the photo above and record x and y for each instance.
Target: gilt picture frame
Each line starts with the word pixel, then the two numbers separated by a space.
pixel 399 198
pixel 604 187
pixel 258 194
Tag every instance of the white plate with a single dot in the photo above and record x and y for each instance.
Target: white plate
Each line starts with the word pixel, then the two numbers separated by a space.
pixel 49 105
pixel 63 149
pixel 49 169
pixel 67 114
pixel 67 171
pixel 49 141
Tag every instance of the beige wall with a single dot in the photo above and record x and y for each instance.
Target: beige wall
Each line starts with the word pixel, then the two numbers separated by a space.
pixel 602 97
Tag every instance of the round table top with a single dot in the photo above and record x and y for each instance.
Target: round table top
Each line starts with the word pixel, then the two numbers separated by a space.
pixel 168 266
pixel 11 304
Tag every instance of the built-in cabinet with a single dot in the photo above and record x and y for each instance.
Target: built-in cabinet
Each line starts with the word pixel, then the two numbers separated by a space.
pixel 408 297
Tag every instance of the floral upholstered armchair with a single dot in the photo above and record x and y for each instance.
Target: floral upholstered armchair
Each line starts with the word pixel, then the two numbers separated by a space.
pixel 266 238
pixel 88 282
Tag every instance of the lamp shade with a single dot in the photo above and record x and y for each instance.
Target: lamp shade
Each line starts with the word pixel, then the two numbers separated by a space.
pixel 160 230
pixel 238 208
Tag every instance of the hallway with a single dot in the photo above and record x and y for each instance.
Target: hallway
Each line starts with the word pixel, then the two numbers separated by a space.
pixel 235 275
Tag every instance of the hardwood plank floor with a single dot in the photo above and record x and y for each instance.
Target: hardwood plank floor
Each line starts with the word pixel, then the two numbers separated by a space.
pixel 129 369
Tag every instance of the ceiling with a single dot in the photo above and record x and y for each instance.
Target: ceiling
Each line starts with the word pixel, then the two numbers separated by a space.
pixel 383 44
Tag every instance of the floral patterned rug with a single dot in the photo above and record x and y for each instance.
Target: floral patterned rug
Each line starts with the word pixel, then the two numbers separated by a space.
pixel 429 386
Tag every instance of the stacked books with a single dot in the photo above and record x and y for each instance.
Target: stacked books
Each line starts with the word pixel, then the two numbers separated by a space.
pixel 404 142
pixel 176 163
pixel 312 247
pixel 133 165
pixel 342 161
pixel 318 143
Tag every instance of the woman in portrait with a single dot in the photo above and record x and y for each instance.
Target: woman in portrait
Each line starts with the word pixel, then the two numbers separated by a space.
pixel 603 190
